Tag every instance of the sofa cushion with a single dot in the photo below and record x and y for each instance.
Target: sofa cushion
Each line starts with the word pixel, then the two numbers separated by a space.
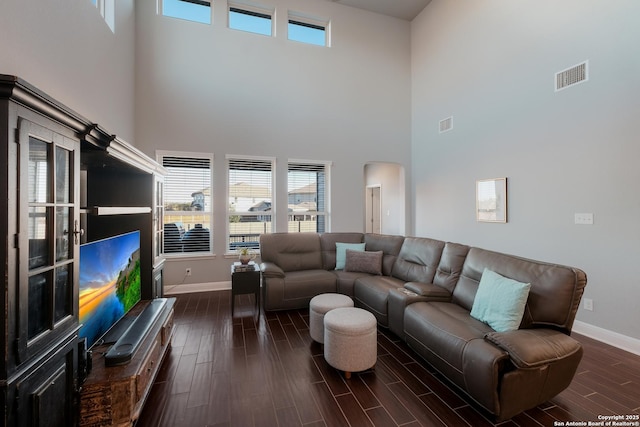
pixel 328 246
pixel 418 259
pixel 341 252
pixel 555 291
pixel 345 280
pixel 440 332
pixel 292 251
pixel 364 262
pixel 309 283
pixel 500 301
pixel 372 293
pixel 389 244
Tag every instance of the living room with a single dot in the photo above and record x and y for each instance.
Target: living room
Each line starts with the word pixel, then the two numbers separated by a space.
pixel 375 96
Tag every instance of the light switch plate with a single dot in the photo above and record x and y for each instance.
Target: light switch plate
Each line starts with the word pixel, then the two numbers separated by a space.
pixel 584 218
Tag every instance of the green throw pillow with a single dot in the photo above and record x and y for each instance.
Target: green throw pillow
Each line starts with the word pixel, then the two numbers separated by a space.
pixel 500 301
pixel 341 252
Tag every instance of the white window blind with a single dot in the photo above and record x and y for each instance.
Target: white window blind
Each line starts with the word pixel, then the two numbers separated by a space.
pixel 307 197
pixel 187 204
pixel 251 206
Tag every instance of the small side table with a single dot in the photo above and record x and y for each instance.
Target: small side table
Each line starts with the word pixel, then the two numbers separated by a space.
pixel 244 280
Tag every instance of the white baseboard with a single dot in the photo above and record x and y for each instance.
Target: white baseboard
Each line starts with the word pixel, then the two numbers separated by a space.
pixel 187 288
pixel 615 339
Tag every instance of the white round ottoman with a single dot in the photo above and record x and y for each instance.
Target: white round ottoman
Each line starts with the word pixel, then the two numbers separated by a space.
pixel 350 342
pixel 319 306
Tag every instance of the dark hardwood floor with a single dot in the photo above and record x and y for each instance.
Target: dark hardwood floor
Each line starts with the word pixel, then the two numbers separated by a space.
pixel 250 370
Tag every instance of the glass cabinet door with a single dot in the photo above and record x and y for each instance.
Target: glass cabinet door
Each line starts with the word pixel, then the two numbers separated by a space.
pixel 49 228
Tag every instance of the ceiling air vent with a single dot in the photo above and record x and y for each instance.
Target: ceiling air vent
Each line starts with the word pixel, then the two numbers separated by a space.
pixel 572 76
pixel 446 124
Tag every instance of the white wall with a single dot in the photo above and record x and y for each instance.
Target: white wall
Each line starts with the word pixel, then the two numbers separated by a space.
pixel 66 49
pixel 207 88
pixel 491 65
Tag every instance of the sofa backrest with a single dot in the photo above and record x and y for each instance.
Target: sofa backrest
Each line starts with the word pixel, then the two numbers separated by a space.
pixel 389 244
pixel 555 290
pixel 292 251
pixel 328 246
pixel 450 267
pixel 418 259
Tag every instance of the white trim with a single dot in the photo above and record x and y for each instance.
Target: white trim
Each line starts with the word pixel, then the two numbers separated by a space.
pixel 615 339
pixel 196 287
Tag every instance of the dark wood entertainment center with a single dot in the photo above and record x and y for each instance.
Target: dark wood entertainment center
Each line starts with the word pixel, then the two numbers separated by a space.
pixel 68 182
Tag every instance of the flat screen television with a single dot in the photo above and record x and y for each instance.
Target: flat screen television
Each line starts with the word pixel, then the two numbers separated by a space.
pixel 109 283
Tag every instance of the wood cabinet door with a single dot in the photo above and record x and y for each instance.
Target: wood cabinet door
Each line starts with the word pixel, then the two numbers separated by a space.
pixel 48 237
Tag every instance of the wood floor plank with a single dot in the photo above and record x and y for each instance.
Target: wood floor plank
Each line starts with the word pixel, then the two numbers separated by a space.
pixel 361 392
pixel 263 369
pixel 328 406
pixel 405 376
pixel 380 417
pixel 200 386
pixel 183 378
pixel 353 411
pixel 388 399
pixel 415 405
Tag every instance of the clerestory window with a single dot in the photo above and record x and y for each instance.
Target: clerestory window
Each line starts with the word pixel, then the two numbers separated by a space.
pixel 251 19
pixel 190 10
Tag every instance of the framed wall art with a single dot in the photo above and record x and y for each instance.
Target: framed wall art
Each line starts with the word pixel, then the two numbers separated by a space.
pixel 491 200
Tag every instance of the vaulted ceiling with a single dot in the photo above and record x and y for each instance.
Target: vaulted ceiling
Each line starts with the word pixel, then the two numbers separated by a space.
pixel 403 9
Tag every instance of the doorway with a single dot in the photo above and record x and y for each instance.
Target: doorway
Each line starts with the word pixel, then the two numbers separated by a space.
pixel 373 208
pixel 384 194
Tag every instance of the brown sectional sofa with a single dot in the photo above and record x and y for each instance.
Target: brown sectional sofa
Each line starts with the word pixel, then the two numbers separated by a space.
pixel 425 295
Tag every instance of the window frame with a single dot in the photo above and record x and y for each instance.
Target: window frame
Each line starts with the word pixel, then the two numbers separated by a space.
pixel 204 3
pixel 273 208
pixel 310 165
pixel 160 156
pixel 303 20
pixel 107 10
pixel 252 10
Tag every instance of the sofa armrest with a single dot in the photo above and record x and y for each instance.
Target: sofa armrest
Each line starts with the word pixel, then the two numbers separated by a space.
pixel 428 290
pixel 529 348
pixel 269 269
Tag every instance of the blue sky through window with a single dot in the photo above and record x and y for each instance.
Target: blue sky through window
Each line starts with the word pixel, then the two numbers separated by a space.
pixel 196 11
pixel 306 34
pixel 254 23
pixel 200 11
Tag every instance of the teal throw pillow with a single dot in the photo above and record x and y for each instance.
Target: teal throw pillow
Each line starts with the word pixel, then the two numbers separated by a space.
pixel 500 301
pixel 341 252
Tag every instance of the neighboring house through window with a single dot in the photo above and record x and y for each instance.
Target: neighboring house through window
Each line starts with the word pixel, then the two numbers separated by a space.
pixel 188 211
pixel 308 201
pixel 251 204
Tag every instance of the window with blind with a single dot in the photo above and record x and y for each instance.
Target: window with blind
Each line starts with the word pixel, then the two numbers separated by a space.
pixel 307 197
pixel 187 203
pixel 250 186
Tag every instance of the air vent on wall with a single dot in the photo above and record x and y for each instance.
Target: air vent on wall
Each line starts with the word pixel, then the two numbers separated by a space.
pixel 446 124
pixel 572 76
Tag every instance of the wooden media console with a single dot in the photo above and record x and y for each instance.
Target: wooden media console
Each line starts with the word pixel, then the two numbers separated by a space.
pixel 115 395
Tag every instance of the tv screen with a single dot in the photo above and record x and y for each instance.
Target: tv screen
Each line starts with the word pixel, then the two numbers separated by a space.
pixel 109 283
